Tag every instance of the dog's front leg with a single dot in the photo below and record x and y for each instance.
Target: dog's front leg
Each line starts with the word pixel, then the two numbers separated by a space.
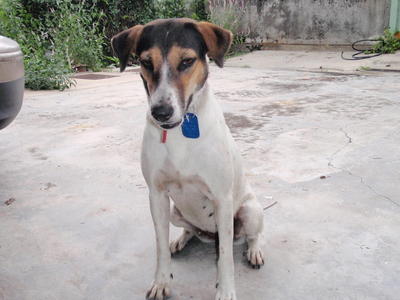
pixel 160 211
pixel 226 275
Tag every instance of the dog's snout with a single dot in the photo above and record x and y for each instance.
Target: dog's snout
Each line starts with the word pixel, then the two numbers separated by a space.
pixel 162 113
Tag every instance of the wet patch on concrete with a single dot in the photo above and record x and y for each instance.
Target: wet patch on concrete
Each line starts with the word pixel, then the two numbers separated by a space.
pixel 251 93
pixel 357 108
pixel 241 95
pixel 63 116
pixel 287 87
pixel 283 109
pixel 239 122
pixel 332 78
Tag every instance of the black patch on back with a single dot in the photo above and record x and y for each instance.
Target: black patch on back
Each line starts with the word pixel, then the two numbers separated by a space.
pixel 170 32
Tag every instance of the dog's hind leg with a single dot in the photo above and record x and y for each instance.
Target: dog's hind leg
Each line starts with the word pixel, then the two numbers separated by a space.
pixel 251 217
pixel 187 234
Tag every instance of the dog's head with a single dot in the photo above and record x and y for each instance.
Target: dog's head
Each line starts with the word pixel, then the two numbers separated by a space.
pixel 172 55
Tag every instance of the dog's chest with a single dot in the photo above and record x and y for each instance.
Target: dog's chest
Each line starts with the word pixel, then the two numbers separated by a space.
pixel 191 196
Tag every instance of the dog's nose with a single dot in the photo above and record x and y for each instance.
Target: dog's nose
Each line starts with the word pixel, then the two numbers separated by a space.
pixel 162 113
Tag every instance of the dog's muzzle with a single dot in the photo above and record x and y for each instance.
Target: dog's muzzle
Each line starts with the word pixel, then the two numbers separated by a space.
pixel 162 113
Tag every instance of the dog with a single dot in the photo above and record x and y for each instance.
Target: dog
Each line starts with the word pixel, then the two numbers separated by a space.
pixel 188 154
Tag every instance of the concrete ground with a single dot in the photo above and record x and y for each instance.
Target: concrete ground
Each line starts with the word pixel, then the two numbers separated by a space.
pixel 74 214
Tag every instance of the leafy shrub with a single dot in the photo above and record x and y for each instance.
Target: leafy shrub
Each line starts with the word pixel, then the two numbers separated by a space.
pixel 228 17
pixel 388 43
pixel 170 9
pixel 197 10
pixel 76 34
pixel 119 15
pixel 47 73
pixel 56 36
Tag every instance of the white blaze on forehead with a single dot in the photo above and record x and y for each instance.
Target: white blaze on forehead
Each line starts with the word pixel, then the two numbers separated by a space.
pixel 166 93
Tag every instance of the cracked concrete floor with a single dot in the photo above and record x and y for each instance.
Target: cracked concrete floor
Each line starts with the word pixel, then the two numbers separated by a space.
pixel 74 215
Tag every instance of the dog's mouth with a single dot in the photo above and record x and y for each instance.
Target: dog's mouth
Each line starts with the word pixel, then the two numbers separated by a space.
pixel 170 125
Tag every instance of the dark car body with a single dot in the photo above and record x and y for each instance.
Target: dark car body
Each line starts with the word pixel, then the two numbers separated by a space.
pixel 11 80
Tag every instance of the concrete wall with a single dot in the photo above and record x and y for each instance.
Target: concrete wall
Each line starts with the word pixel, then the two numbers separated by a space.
pixel 307 21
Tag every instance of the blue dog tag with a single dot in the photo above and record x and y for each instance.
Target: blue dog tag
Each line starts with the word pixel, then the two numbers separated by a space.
pixel 190 126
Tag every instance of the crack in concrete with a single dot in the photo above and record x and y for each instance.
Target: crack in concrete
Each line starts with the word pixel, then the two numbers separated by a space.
pixel 375 192
pixel 330 164
pixel 349 141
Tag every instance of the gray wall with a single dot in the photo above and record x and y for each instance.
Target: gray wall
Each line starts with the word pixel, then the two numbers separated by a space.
pixel 308 21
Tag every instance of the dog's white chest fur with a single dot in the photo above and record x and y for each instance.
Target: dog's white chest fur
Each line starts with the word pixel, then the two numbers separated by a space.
pixel 191 196
pixel 193 172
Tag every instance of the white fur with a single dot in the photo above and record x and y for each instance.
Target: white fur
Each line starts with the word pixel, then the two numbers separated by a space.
pixel 166 94
pixel 204 179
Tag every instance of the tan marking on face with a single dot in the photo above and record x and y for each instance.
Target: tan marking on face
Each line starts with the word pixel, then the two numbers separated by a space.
pixel 154 55
pixel 186 81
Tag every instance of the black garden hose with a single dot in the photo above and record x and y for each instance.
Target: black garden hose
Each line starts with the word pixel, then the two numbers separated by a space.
pixel 356 56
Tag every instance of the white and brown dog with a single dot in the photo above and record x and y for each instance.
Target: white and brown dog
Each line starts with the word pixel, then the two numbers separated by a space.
pixel 188 153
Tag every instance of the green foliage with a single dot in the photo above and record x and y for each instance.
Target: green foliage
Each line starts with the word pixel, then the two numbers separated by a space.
pixel 44 69
pixel 47 73
pixel 228 17
pixel 57 36
pixel 119 15
pixel 388 43
pixel 76 36
pixel 170 9
pixel 198 10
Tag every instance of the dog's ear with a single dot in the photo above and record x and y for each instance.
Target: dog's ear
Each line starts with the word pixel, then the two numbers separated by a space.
pixel 124 43
pixel 217 39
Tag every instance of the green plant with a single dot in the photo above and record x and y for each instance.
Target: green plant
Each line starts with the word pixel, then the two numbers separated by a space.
pixel 119 15
pixel 365 68
pixel 55 36
pixel 229 17
pixel 388 43
pixel 58 36
pixel 44 69
pixel 76 34
pixel 47 73
pixel 170 9
pixel 197 10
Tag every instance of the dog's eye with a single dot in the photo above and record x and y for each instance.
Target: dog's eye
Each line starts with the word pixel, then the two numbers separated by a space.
pixel 147 64
pixel 186 63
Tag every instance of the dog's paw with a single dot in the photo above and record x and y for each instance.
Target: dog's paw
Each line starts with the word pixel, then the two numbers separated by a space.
pixel 159 291
pixel 225 294
pixel 177 246
pixel 180 242
pixel 255 257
